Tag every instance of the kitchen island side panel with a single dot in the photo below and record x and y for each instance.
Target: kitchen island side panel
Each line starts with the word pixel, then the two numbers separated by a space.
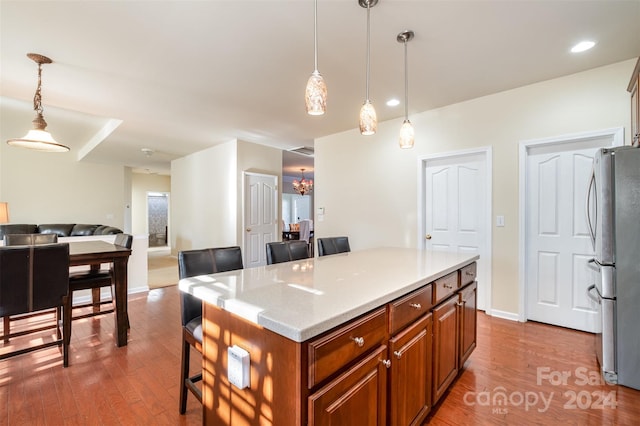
pixel 276 395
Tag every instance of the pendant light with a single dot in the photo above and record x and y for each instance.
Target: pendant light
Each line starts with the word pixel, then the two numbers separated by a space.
pixel 38 138
pixel 315 95
pixel 368 118
pixel 407 134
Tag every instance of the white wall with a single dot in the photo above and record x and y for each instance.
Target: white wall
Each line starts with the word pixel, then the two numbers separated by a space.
pixel 142 183
pixel 383 208
pixel 54 188
pixel 206 193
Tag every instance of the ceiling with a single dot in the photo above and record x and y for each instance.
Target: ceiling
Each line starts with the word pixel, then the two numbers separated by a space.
pixel 177 77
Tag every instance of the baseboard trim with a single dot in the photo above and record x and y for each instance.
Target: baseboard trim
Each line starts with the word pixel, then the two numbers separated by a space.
pixel 511 316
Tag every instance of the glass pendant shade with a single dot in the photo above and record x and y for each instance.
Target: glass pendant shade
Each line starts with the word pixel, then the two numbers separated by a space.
pixel 316 94
pixel 368 119
pixel 407 135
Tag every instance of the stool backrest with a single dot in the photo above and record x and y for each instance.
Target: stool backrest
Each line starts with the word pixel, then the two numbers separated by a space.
pixel 333 245
pixel 192 263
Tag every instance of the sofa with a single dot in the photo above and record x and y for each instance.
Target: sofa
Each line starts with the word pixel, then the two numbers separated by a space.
pixel 62 230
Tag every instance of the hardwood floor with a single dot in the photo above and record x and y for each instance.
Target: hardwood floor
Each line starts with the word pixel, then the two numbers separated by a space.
pixel 138 384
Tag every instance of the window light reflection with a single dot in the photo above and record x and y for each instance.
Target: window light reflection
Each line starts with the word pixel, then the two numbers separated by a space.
pixel 307 289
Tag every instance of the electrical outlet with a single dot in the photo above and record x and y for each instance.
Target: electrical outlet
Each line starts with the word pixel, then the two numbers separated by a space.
pixel 238 367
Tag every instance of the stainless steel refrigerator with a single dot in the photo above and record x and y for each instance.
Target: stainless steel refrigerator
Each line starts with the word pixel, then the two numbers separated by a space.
pixel 613 215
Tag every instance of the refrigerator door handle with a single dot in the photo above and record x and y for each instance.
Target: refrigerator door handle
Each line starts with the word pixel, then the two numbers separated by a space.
pixel 593 264
pixel 590 293
pixel 592 185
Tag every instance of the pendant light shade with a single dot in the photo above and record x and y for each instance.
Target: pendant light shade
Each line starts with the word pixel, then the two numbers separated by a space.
pixel 38 138
pixel 368 117
pixel 407 134
pixel 315 95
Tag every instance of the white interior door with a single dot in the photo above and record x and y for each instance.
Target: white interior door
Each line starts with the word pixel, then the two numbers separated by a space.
pixel 557 244
pixel 260 216
pixel 456 202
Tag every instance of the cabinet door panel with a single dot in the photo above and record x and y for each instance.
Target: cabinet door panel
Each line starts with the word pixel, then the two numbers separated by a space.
pixel 410 374
pixel 468 322
pixel 445 341
pixel 356 397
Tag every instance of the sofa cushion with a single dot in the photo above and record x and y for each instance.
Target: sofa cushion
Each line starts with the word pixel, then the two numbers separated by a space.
pixel 62 229
pixel 106 230
pixel 16 228
pixel 81 230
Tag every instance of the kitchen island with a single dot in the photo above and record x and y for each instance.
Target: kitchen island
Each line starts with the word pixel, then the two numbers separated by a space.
pixel 342 338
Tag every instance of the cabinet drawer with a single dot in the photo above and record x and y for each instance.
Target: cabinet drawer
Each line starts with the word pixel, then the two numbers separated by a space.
pixel 445 286
pixel 468 274
pixel 409 308
pixel 336 350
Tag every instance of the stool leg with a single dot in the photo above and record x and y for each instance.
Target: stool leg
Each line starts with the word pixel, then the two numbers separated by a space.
pixel 184 374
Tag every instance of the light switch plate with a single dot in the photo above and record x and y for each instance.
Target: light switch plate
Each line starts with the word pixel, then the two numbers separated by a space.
pixel 500 220
pixel 238 367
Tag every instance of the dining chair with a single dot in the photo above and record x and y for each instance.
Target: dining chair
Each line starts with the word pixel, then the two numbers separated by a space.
pixel 28 239
pixel 35 278
pixel 333 245
pixel 94 280
pixel 286 251
pixel 190 264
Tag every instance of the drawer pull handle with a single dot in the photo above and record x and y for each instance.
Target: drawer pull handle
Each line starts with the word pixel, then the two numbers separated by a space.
pixel 449 286
pixel 398 354
pixel 386 362
pixel 416 305
pixel 359 341
pixel 469 273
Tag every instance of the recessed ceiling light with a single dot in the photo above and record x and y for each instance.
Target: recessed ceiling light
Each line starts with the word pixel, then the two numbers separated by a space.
pixel 582 46
pixel 393 102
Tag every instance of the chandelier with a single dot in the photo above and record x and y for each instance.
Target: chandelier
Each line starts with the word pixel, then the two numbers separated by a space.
pixel 303 186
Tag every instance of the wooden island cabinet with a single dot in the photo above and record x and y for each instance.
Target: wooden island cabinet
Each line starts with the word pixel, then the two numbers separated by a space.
pixel 356 341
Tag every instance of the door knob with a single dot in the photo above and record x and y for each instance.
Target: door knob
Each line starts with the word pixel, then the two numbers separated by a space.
pixel 248 229
pixel 428 236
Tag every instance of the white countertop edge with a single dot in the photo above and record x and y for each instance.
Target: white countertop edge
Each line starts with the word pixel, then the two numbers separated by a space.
pixel 209 295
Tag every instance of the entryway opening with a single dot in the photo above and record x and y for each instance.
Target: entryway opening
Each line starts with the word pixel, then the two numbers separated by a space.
pixel 158 218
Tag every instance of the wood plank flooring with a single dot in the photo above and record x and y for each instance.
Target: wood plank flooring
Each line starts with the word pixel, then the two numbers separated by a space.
pixel 509 380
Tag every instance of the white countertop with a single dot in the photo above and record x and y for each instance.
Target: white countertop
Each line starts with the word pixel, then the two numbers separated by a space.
pixel 302 299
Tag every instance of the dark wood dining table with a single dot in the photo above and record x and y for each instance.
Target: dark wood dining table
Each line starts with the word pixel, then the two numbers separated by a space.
pixel 94 253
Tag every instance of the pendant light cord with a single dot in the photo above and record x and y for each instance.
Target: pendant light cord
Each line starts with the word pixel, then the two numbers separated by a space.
pixel 368 46
pixel 315 34
pixel 406 84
